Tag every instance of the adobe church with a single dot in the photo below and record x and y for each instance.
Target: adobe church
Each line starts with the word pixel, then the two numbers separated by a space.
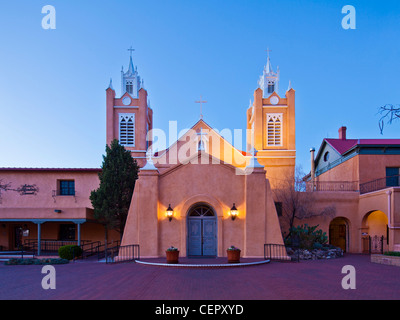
pixel 201 194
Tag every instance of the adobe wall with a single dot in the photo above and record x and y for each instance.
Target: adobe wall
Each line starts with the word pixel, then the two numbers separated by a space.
pixel 47 182
pixel 374 166
pixel 345 205
pixel 346 171
pixel 216 185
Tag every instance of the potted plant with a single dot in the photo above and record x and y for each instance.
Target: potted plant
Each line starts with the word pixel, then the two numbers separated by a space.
pixel 172 255
pixel 233 254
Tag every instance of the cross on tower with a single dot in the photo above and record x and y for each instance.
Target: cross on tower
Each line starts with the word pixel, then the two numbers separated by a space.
pixel 201 106
pixel 268 51
pixel 131 50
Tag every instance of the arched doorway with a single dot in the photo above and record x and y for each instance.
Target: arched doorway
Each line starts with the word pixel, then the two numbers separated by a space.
pixel 339 233
pixel 375 232
pixel 202 231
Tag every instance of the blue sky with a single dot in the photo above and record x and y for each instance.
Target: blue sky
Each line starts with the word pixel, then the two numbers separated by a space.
pixel 52 82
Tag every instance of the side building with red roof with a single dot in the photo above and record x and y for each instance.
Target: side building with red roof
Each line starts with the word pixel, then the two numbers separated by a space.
pixel 360 178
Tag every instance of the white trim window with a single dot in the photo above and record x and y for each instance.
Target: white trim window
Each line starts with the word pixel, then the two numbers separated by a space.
pixel 129 86
pixel 127 129
pixel 274 129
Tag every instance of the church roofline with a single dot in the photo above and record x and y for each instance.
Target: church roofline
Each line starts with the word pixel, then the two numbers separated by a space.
pixel 199 155
pixel 163 152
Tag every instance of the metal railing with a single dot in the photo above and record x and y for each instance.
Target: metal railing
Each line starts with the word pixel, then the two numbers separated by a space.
pixel 90 249
pixel 101 253
pixel 50 245
pixel 375 244
pixel 333 186
pixel 278 252
pixel 123 253
pixel 379 184
pixel 20 254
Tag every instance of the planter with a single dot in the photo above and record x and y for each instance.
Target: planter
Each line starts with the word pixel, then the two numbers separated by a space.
pixel 172 256
pixel 385 259
pixel 233 255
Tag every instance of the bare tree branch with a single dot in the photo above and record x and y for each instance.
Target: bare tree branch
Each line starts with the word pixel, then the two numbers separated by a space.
pixel 389 113
pixel 297 202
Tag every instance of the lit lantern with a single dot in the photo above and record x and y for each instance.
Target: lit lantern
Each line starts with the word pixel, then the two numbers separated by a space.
pixel 234 212
pixel 170 212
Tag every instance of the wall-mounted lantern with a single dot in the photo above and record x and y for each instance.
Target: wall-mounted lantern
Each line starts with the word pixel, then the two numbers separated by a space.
pixel 170 212
pixel 234 212
pixel 25 231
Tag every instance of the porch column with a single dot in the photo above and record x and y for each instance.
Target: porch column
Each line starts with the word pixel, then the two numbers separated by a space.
pixel 39 231
pixel 79 233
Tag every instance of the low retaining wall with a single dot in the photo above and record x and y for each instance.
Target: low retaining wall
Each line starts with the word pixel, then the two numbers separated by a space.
pixel 315 254
pixel 383 259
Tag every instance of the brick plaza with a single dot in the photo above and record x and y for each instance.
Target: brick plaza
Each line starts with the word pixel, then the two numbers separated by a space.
pixel 307 280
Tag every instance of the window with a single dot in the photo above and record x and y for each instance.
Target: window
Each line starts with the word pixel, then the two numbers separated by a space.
pixel 201 211
pixel 278 207
pixel 274 129
pixel 271 87
pixel 129 87
pixel 326 156
pixel 127 129
pixel 67 232
pixel 67 187
pixel 392 177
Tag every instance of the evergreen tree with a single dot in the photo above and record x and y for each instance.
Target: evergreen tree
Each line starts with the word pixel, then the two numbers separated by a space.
pixel 112 199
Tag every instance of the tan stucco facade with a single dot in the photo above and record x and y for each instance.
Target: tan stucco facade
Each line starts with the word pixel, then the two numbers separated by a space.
pixel 202 178
pixel 46 211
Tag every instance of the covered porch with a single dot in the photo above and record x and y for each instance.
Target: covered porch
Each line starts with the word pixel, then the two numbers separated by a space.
pixel 47 235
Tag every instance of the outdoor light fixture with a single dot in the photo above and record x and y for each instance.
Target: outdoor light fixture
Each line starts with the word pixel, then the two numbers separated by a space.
pixel 170 212
pixel 234 212
pixel 57 211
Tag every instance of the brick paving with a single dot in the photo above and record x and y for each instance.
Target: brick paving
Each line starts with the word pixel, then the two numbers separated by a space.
pixel 310 280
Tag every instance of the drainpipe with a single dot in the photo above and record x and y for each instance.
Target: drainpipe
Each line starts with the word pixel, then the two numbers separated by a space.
pixel 312 150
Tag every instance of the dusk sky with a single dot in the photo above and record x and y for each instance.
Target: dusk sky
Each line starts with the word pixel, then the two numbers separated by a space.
pixel 52 82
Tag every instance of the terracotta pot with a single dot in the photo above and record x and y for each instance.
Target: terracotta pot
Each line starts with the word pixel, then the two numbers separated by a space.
pixel 233 256
pixel 172 256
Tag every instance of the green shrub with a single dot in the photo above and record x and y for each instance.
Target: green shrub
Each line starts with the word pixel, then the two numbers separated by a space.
pixel 317 245
pixel 308 237
pixel 392 253
pixel 70 252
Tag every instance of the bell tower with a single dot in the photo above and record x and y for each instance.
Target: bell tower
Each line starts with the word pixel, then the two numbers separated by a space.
pixel 269 81
pixel 271 121
pixel 129 117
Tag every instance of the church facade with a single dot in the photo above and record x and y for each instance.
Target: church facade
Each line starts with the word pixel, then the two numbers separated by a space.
pixel 201 194
pixel 186 194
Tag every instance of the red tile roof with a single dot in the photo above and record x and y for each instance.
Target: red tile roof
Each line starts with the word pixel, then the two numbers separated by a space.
pixel 341 145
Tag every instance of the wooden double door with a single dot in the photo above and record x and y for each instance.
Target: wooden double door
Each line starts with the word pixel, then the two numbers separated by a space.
pixel 202 232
